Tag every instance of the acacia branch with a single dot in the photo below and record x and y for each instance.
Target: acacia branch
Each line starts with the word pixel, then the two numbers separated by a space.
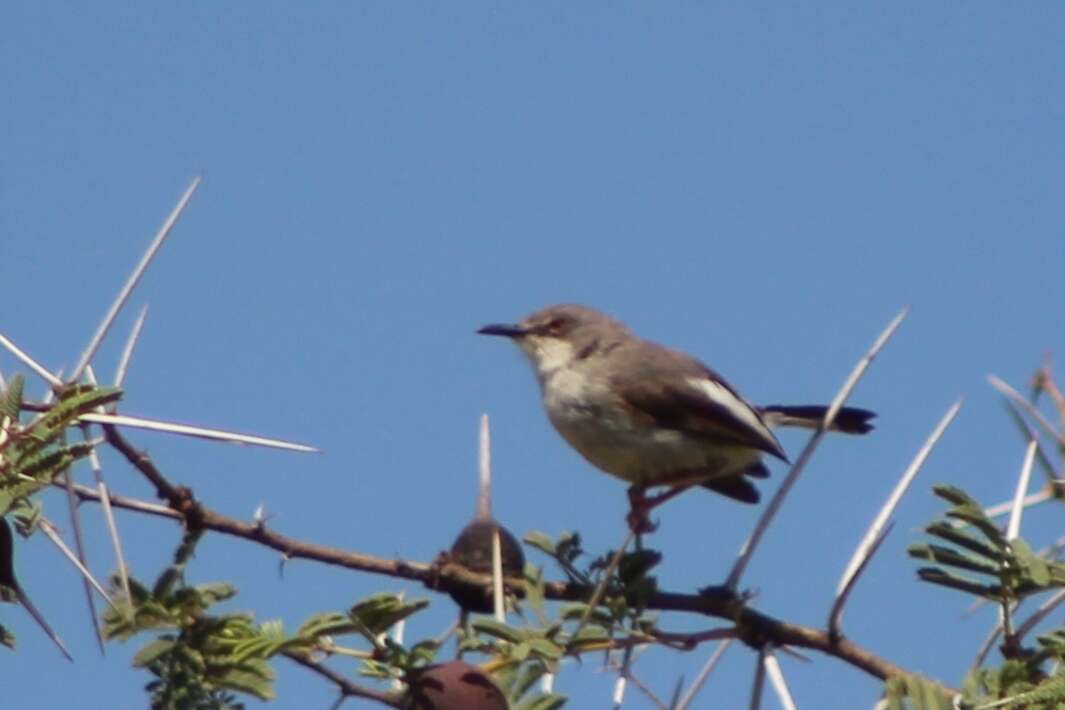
pixel 753 627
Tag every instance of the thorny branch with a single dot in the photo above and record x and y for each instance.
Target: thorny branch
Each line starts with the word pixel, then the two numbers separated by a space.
pixel 754 627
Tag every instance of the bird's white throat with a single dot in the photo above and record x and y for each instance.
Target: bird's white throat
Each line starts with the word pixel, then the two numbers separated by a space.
pixel 548 355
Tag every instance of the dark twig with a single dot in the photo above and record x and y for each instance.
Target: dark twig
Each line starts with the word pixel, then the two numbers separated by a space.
pixel 347 688
pixel 759 680
pixel 163 488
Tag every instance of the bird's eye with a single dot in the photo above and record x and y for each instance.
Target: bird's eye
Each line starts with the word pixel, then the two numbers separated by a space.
pixel 555 326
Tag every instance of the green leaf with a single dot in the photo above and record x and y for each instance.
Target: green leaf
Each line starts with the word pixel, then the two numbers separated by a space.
pixel 498 629
pixel 256 648
pixel 172 576
pixel 46 466
pixel 534 587
pixel 922 694
pixel 943 578
pixel 574 611
pixel 520 651
pixel 961 538
pixel 1037 570
pixel 932 696
pixel 968 510
pixel 953 495
pixel 1053 644
pixel 974 515
pixel 329 624
pixel 545 648
pixel 894 692
pixel 424 652
pixel 951 557
pixel 153 651
pixel 590 634
pixel 42 467
pixel 1048 694
pixel 50 426
pixel 375 669
pixel 914 690
pixel 379 612
pixel 541 542
pixel 11 401
pixel 26 514
pixel 211 593
pixel 249 681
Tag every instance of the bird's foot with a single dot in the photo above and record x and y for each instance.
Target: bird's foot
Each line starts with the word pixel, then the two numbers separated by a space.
pixel 640 506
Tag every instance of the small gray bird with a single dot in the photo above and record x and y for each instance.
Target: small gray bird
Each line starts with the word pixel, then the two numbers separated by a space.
pixel 650 415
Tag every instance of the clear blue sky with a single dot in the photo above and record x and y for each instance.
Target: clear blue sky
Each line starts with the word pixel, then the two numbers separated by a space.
pixel 762 185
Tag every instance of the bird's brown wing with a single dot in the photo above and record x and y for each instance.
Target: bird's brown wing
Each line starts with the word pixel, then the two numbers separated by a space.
pixel 678 392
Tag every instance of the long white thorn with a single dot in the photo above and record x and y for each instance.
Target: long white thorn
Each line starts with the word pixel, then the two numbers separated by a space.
pixel 24 600
pixel 759 681
pixel 1029 500
pixel 68 483
pixel 617 698
pixel 29 362
pixel 989 642
pixel 133 280
pixel 704 673
pixel 105 503
pixel 484 470
pixel 131 344
pixel 875 533
pixel 49 530
pixel 79 546
pixel 194 431
pixel 776 677
pixel 1041 613
pixel 498 604
pixel 1027 406
pixel 397 636
pixel 1013 529
pixel 484 512
pixel 749 547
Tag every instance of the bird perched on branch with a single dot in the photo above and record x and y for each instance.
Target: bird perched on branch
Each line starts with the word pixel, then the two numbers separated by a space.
pixel 650 415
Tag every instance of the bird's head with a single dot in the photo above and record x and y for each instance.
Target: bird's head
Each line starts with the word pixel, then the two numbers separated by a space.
pixel 556 336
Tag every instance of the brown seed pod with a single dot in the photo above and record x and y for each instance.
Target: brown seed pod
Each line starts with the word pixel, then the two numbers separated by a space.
pixel 473 550
pixel 456 685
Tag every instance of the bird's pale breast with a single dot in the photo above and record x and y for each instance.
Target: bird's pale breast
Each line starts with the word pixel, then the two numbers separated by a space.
pixel 584 412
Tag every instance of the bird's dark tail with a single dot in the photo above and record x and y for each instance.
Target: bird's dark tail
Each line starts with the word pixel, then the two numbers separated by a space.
pixel 849 420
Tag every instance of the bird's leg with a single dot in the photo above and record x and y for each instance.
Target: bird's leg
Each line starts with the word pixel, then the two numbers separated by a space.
pixel 661 498
pixel 640 506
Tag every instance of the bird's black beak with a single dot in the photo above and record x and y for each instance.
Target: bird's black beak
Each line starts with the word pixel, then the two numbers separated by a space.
pixel 504 329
